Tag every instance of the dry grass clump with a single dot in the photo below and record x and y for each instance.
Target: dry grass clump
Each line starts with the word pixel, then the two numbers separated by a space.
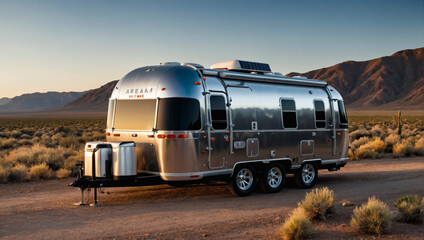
pixel 37 154
pixel 411 208
pixel 4 174
pixel 297 226
pixel 40 171
pixel 403 149
pixel 391 140
pixel 319 203
pixel 374 217
pixel 8 143
pixel 359 142
pixel 364 152
pixel 19 173
pixel 63 173
pixel 419 147
pixel 358 133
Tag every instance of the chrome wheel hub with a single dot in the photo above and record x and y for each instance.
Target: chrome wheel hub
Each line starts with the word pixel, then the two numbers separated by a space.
pixel 308 173
pixel 244 179
pixel 275 177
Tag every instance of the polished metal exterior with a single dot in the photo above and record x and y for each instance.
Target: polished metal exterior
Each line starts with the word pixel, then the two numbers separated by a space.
pixel 101 156
pixel 124 159
pixel 254 133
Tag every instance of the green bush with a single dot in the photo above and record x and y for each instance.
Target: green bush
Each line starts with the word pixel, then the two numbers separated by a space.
pixel 318 203
pixel 297 226
pixel 374 217
pixel 411 208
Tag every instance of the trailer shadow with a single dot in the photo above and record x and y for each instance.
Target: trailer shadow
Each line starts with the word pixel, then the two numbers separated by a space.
pixel 164 193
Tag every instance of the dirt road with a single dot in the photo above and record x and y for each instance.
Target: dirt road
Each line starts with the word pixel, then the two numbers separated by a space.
pixel 44 210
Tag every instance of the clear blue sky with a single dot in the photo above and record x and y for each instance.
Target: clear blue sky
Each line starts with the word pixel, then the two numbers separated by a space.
pixel 65 45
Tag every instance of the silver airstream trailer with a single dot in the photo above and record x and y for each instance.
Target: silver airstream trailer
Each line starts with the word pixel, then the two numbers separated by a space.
pixel 237 121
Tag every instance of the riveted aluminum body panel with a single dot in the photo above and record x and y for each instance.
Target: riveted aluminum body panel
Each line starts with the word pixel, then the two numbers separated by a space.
pixel 253 112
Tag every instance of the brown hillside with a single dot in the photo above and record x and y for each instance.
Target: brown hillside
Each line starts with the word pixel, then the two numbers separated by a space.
pixel 393 81
pixel 96 99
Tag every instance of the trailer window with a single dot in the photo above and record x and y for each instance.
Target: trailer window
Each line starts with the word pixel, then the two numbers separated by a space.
pixel 319 114
pixel 218 112
pixel 135 114
pixel 342 113
pixel 288 107
pixel 178 114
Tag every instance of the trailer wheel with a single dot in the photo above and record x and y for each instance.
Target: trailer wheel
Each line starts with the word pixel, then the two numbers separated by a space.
pixel 273 178
pixel 307 175
pixel 243 181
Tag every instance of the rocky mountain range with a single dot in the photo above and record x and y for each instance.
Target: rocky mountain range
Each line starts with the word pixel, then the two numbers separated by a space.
pixel 386 82
pixel 395 81
pixel 37 101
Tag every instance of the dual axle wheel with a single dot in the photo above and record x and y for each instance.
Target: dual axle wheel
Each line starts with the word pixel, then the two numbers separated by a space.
pixel 271 178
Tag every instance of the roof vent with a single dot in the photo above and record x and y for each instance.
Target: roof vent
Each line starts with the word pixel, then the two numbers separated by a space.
pixel 242 66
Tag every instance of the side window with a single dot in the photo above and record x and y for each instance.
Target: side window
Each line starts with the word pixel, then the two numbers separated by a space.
pixel 319 114
pixel 288 108
pixel 342 113
pixel 218 112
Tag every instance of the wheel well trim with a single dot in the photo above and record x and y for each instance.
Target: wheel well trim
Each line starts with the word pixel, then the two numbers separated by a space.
pixel 263 161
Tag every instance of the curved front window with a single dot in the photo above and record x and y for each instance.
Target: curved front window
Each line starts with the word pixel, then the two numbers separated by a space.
pixel 178 114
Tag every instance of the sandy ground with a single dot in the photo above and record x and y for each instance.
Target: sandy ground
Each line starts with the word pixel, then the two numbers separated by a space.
pixel 44 209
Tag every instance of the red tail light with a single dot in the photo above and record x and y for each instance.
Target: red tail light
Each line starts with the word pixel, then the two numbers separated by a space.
pixel 197 83
pixel 116 135
pixel 160 136
pixel 172 136
pixel 182 136
pixel 107 134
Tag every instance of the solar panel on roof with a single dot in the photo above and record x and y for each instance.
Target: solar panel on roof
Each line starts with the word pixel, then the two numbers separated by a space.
pixel 255 66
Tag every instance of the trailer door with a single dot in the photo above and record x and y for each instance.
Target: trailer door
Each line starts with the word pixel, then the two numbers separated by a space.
pixel 219 137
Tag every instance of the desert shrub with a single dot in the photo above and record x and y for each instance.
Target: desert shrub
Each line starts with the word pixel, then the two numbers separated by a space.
pixel 351 155
pixel 19 173
pixel 40 171
pixel 297 226
pixel 358 133
pixel 24 142
pixel 70 161
pixel 403 149
pixel 376 130
pixel 359 142
pixel 37 154
pixel 377 145
pixel 4 174
pixel 9 143
pixel 391 140
pixel 419 147
pixel 374 217
pixel 318 203
pixel 411 208
pixel 63 173
pixel 4 134
pixel 365 151
pixel 16 133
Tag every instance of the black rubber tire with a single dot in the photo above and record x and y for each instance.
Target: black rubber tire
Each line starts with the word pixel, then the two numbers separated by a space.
pixel 235 179
pixel 311 173
pixel 265 185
